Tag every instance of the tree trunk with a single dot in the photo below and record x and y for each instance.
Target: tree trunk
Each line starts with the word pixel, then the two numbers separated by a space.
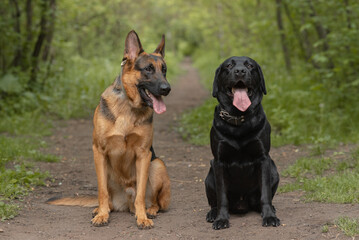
pixel 321 31
pixel 307 44
pixel 38 45
pixel 304 43
pixel 26 46
pixel 16 15
pixel 296 31
pixel 50 31
pixel 348 13
pixel 282 35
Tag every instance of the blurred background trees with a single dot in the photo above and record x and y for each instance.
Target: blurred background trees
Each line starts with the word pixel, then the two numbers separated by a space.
pixel 56 57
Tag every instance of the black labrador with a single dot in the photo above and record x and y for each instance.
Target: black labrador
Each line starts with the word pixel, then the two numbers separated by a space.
pixel 242 175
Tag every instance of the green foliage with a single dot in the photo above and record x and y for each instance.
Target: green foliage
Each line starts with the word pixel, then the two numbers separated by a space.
pixel 19 149
pixel 17 175
pixel 325 179
pixel 350 226
pixel 325 228
pixel 17 182
pixel 315 102
pixel 305 166
pixel 84 57
pixel 196 125
pixel 28 123
pixel 10 83
pixel 8 211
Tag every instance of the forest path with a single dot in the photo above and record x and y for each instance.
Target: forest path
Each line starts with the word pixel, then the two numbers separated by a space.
pixel 187 166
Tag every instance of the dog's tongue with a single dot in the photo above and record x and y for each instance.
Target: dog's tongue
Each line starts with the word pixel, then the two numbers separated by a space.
pixel 158 105
pixel 241 99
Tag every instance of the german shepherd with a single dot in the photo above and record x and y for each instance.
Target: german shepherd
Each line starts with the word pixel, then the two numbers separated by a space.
pixel 122 140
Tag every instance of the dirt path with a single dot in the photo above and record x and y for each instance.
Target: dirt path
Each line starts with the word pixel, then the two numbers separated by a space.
pixel 187 166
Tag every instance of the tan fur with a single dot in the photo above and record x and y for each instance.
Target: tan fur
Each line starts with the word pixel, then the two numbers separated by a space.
pixel 121 148
pixel 83 201
pixel 122 152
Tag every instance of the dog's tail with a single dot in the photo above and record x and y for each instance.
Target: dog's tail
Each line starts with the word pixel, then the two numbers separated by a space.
pixel 83 201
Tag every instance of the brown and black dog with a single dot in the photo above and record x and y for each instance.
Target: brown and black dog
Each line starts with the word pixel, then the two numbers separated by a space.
pixel 122 140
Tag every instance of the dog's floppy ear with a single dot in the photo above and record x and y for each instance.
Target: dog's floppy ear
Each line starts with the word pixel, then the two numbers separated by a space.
pixel 133 46
pixel 161 47
pixel 215 82
pixel 261 79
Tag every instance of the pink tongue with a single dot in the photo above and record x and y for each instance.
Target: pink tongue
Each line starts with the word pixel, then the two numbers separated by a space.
pixel 158 104
pixel 241 99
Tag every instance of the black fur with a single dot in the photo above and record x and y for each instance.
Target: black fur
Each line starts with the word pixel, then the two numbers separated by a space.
pixel 106 111
pixel 242 176
pixel 153 154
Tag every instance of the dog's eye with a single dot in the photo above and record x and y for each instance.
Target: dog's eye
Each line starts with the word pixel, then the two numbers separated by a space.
pixel 230 65
pixel 164 70
pixel 149 68
pixel 249 66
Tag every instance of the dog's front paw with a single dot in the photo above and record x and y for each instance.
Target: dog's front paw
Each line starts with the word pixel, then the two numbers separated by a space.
pixel 211 215
pixel 271 221
pixel 144 223
pixel 100 220
pixel 220 224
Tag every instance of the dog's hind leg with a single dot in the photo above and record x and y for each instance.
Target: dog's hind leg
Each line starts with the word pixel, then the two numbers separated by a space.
pixel 160 188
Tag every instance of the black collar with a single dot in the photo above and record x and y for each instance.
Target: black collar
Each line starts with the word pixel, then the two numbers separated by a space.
pixel 233 120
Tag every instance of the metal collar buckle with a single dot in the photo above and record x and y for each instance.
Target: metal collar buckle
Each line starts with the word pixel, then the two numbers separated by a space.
pixel 234 120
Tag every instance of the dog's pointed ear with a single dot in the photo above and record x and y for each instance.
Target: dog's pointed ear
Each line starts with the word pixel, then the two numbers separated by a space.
pixel 215 82
pixel 261 79
pixel 161 47
pixel 133 46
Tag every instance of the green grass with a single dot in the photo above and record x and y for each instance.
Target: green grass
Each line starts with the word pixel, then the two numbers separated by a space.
pixel 325 228
pixel 308 166
pixel 350 226
pixel 8 210
pixel 17 149
pixel 17 182
pixel 17 173
pixel 196 125
pixel 325 179
pixel 27 123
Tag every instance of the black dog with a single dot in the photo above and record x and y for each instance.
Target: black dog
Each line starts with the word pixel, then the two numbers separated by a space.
pixel 242 176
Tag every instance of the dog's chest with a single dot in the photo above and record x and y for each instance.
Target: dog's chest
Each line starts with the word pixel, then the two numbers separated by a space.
pixel 242 172
pixel 121 154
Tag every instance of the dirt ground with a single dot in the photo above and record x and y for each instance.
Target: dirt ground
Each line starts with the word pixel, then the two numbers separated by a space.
pixel 187 166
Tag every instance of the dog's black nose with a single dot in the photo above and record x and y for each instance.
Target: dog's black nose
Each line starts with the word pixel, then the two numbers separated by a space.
pixel 240 72
pixel 165 89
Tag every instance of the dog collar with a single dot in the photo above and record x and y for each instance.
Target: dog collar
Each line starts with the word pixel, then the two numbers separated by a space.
pixel 234 120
